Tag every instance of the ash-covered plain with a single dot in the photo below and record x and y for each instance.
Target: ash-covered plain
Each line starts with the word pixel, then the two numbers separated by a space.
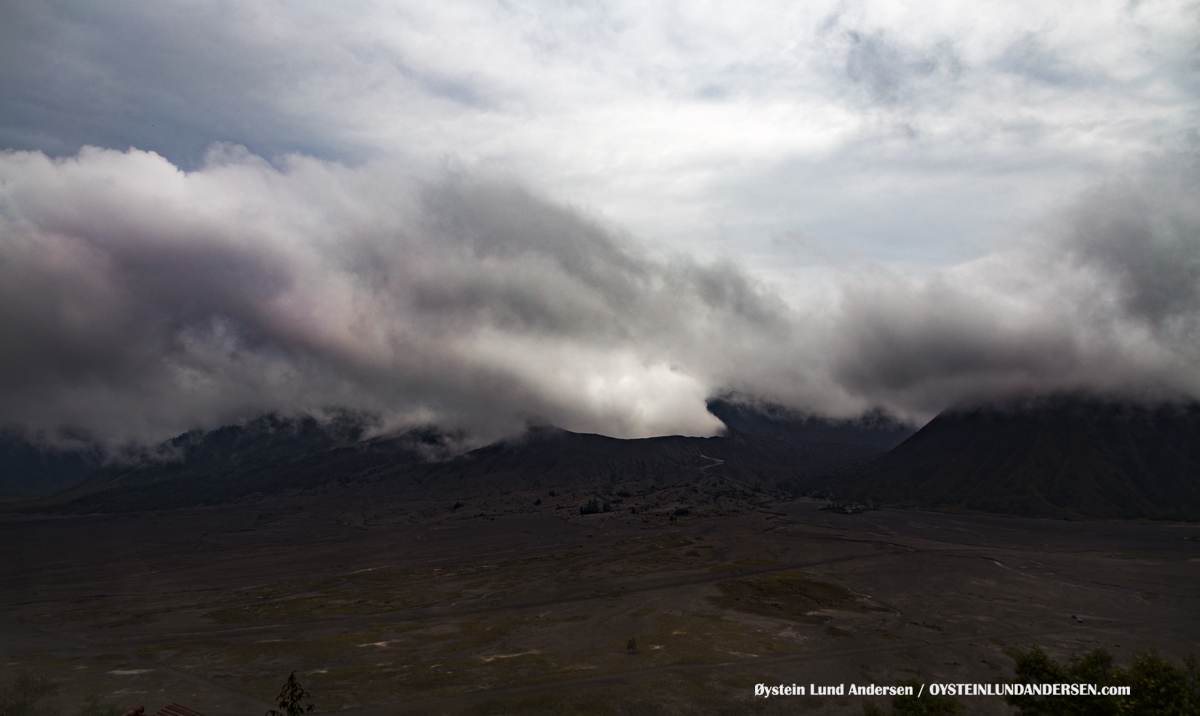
pixel 559 573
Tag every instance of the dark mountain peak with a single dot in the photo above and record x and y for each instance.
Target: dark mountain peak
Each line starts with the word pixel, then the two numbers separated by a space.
pixel 34 467
pixel 540 433
pixel 426 442
pixel 762 419
pixel 270 437
pixel 1066 455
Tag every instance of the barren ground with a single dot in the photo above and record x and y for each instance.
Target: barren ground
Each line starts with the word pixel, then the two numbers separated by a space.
pixel 385 611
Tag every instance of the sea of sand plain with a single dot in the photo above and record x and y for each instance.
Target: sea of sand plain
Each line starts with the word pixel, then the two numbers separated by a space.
pixel 532 610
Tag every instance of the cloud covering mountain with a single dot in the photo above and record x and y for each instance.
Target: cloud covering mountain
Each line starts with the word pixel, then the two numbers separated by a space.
pixel 595 214
pixel 138 300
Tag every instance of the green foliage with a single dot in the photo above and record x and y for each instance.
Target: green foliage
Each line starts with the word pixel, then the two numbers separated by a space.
pixel 1156 685
pixel 94 706
pixel 1036 667
pixel 291 699
pixel 1162 687
pixel 926 704
pixel 21 697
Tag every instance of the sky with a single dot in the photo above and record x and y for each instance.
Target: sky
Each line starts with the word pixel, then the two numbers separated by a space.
pixel 591 214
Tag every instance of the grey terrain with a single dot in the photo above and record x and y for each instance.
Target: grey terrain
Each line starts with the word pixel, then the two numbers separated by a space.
pixel 508 607
pixel 562 573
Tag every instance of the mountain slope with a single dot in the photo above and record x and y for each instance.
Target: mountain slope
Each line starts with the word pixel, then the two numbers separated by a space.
pixel 1068 456
pixel 233 449
pixel 245 462
pixel 31 470
pixel 550 456
pixel 773 422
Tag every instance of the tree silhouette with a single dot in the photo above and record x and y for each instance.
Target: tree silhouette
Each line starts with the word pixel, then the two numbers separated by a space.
pixel 291 699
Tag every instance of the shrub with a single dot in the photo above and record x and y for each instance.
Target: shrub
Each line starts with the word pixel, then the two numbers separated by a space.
pixel 94 706
pixel 20 698
pixel 1157 686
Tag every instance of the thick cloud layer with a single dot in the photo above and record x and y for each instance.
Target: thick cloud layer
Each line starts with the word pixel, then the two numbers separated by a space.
pixel 138 300
pixel 1102 297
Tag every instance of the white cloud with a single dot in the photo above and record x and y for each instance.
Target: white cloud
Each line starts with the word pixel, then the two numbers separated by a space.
pixel 138 300
pixel 193 285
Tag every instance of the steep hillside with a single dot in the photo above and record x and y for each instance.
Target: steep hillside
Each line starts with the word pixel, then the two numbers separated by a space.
pixel 1067 456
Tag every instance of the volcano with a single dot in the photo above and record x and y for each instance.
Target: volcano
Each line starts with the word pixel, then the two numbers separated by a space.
pixel 1063 456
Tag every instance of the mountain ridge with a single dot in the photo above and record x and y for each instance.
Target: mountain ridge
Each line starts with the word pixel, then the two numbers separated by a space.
pixel 1067 456
pixel 767 420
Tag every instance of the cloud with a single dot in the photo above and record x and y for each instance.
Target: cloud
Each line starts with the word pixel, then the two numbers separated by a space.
pixel 889 72
pixel 138 300
pixel 1104 297
pixel 705 126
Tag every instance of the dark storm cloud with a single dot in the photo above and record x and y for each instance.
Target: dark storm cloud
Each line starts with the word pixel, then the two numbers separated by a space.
pixel 1146 238
pixel 1106 298
pixel 138 300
